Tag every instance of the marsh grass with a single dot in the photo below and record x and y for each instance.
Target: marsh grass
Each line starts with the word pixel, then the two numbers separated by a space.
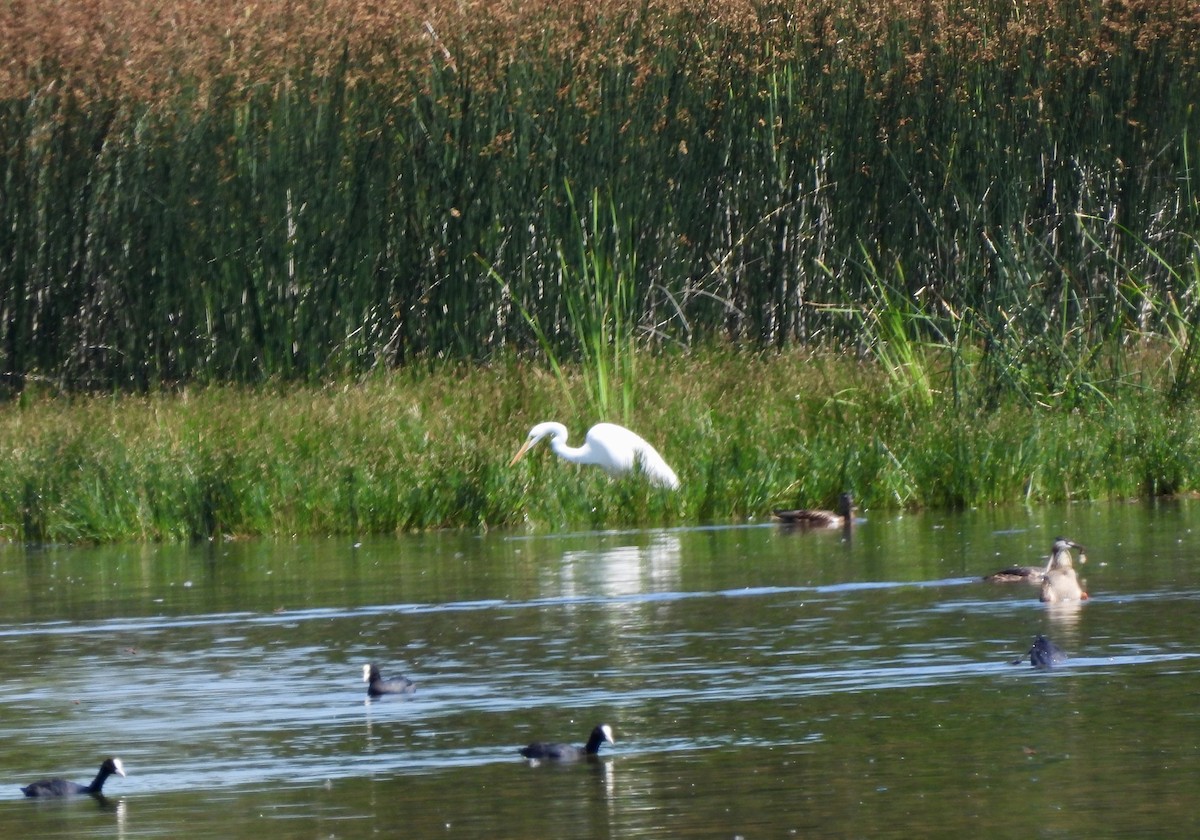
pixel 602 312
pixel 600 334
pixel 953 245
pixel 430 450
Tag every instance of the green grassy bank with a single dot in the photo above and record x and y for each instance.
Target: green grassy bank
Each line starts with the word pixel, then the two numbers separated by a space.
pixel 956 245
pixel 420 450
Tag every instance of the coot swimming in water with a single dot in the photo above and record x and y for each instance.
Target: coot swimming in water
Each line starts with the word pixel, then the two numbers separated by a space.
pixel 377 686
pixel 1044 654
pixel 570 752
pixel 61 787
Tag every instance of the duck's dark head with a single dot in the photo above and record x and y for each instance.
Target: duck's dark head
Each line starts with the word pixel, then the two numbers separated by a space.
pixel 846 504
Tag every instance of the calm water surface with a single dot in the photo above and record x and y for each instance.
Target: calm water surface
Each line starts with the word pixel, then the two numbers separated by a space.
pixel 760 683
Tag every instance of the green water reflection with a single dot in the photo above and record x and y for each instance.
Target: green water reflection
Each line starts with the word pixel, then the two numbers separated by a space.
pixel 761 683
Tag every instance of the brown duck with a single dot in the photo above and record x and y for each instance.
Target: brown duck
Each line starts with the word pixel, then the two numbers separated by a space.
pixel 1035 574
pixel 804 518
pixel 1059 582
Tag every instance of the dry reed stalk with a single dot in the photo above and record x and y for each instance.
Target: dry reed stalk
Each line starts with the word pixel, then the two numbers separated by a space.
pixel 147 51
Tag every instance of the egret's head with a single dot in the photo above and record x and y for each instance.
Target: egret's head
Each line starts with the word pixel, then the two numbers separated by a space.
pixel 535 434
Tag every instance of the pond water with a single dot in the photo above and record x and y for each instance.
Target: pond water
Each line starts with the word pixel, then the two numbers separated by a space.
pixel 760 683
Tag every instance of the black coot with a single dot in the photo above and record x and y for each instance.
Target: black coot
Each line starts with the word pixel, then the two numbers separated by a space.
pixel 61 787
pixel 1044 654
pixel 377 686
pixel 570 752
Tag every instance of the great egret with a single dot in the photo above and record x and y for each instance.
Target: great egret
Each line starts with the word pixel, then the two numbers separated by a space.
pixel 606 445
pixel 1059 582
pixel 377 686
pixel 821 518
pixel 570 752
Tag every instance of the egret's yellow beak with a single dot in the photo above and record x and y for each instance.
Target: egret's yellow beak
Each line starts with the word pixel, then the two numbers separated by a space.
pixel 521 452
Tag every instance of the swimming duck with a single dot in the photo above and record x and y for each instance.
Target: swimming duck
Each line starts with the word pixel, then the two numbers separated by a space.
pixel 570 752
pixel 1059 582
pixel 843 518
pixel 1044 654
pixel 1031 574
pixel 1017 574
pixel 377 686
pixel 62 787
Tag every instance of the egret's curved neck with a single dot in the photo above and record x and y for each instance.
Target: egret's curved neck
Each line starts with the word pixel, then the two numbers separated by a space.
pixel 576 454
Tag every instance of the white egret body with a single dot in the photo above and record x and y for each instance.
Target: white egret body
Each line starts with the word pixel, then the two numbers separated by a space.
pixel 606 445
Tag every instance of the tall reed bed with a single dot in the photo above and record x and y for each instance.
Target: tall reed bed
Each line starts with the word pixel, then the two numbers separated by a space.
pixel 223 191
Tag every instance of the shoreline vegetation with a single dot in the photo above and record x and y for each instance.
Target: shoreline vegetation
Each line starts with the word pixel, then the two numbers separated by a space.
pixel 427 449
pixel 275 269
